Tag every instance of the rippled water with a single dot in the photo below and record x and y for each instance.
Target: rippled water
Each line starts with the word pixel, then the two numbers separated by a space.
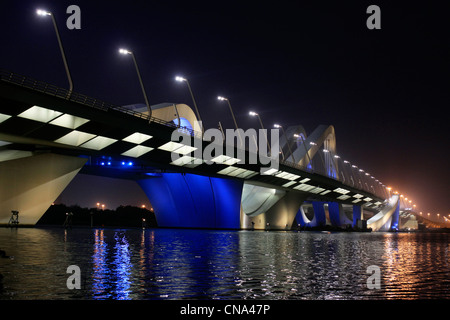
pixel 203 264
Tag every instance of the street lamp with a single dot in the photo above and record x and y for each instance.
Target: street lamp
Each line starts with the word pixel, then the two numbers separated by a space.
pixel 304 145
pixel 44 13
pixel 181 79
pixel 254 114
pixel 126 52
pixel 232 114
pixel 287 141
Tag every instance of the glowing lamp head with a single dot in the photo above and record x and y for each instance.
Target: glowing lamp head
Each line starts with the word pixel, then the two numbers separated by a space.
pixel 124 51
pixel 221 98
pixel 277 126
pixel 252 113
pixel 180 79
pixel 41 12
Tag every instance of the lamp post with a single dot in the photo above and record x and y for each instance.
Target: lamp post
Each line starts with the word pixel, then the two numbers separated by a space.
pixel 126 52
pixel 304 145
pixel 232 114
pixel 44 13
pixel 254 114
pixel 287 141
pixel 181 79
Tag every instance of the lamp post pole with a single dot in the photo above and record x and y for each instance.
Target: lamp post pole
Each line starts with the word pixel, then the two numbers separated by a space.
pixel 66 66
pixel 193 99
pixel 234 119
pixel 287 141
pixel 253 114
pixel 124 51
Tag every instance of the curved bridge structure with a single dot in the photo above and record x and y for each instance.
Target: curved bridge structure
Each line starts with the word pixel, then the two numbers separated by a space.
pixel 48 135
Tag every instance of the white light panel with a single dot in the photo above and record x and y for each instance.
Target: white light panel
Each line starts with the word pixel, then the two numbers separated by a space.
pixel 182 161
pixel 304 187
pixel 270 171
pixel 75 138
pixel 40 114
pixel 290 183
pixel 185 150
pixel 341 190
pixel 4 117
pixel 98 143
pixel 170 146
pixel 226 171
pixel 137 151
pixel 137 138
pixel 69 121
pixel 317 190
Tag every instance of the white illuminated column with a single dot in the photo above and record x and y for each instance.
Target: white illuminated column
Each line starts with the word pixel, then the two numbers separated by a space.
pixel 69 77
pixel 126 52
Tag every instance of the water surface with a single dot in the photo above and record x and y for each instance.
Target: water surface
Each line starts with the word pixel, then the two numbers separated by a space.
pixel 204 264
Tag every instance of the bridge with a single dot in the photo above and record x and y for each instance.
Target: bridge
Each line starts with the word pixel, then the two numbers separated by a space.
pixel 49 134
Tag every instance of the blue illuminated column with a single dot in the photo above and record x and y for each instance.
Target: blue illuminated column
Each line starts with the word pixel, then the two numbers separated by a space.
pixel 395 217
pixel 319 213
pixel 357 214
pixel 194 201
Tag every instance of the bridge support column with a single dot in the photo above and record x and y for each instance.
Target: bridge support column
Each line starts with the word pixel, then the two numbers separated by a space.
pixel 194 201
pixel 357 214
pixel 319 213
pixel 396 217
pixel 388 217
pixel 337 215
pixel 29 185
pixel 280 216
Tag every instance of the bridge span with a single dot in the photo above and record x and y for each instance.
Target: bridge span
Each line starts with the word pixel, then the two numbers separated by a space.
pixel 49 134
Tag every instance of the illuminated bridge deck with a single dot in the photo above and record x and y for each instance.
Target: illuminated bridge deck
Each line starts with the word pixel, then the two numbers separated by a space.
pixel 37 117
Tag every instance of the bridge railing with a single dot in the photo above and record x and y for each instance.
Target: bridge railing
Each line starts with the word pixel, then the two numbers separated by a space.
pixel 66 94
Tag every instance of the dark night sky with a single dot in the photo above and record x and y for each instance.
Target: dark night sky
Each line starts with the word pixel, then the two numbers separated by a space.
pixel 295 62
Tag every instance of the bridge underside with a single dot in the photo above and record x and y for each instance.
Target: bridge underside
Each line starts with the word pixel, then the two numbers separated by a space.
pixel 31 182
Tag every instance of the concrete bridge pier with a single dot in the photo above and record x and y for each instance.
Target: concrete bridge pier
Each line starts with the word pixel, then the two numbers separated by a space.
pixel 280 216
pixel 30 183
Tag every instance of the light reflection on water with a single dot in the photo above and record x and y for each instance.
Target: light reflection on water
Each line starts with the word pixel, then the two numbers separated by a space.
pixel 201 264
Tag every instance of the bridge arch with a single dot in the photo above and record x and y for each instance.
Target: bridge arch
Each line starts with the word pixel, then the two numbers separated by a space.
pixel 309 147
pixel 178 113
